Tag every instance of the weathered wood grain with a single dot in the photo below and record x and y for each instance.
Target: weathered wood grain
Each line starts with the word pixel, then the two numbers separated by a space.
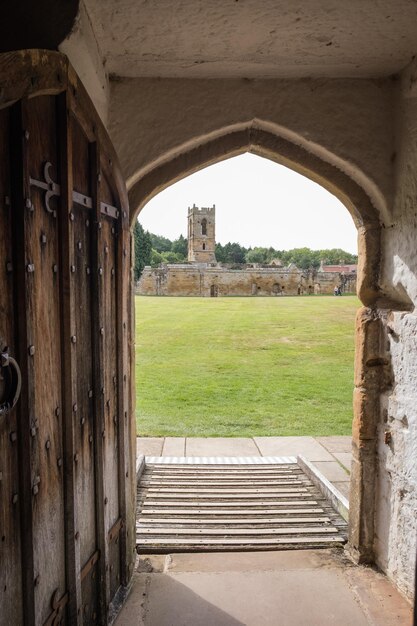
pixel 10 547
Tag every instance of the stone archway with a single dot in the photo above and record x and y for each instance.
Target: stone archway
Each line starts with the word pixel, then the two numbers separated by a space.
pixel 258 139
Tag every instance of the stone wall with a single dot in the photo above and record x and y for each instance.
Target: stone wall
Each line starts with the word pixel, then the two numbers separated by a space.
pixel 396 502
pixel 346 122
pixel 202 280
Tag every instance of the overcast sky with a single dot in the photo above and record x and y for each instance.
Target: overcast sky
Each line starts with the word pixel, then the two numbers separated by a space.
pixel 258 203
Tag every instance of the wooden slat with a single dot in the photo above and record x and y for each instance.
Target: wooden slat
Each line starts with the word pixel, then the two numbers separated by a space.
pixel 145 521
pixel 298 530
pixel 204 491
pixel 290 481
pixel 241 542
pixel 223 511
pixel 247 502
pixel 228 496
pixel 225 467
pixel 210 471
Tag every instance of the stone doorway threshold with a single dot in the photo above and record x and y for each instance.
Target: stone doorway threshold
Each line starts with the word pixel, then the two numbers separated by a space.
pixel 294 588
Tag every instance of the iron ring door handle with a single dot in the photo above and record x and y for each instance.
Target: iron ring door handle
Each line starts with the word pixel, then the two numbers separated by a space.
pixel 10 382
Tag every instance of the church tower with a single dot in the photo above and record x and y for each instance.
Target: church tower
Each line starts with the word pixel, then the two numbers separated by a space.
pixel 201 234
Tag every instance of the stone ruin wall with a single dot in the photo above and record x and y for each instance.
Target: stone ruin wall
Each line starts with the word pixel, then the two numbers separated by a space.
pixel 194 280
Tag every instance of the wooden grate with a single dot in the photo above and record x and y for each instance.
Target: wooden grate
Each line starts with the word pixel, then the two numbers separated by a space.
pixel 200 506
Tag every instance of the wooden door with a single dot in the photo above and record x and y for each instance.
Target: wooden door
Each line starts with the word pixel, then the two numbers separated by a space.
pixel 67 493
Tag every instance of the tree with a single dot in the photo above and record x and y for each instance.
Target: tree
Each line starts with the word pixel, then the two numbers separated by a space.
pixel 220 255
pixel 257 255
pixel 156 258
pixel 143 249
pixel 180 247
pixel 335 256
pixel 232 253
pixel 171 257
pixel 160 244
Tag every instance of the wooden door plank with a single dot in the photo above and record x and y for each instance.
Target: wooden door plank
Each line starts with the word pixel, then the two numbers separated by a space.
pixel 98 385
pixel 10 529
pixel 126 471
pixel 68 364
pixel 24 330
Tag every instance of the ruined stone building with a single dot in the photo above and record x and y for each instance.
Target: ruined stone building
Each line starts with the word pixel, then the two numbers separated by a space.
pixel 203 276
pixel 103 104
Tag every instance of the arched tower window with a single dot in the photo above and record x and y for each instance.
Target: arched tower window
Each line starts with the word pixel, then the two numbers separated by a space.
pixel 204 226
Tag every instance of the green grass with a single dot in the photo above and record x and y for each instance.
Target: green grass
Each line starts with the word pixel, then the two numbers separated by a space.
pixel 244 366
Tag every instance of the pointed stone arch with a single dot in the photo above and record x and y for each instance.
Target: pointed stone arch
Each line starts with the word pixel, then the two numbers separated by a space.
pixel 259 139
pixel 357 193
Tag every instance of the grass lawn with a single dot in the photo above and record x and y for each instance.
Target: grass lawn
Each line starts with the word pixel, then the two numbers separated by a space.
pixel 244 366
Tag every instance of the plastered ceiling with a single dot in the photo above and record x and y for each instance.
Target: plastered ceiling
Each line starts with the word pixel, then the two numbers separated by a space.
pixel 254 38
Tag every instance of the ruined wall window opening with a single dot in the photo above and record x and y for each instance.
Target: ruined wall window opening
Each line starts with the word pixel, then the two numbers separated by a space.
pixel 204 227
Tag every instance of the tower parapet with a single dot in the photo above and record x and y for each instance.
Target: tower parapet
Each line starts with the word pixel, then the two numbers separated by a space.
pixel 201 234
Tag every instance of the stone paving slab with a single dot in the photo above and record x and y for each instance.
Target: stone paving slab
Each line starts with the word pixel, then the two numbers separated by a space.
pixel 297 588
pixel 332 470
pixel 244 561
pixel 345 458
pixel 173 446
pixel 149 446
pixel 336 443
pixel 221 446
pixel 308 447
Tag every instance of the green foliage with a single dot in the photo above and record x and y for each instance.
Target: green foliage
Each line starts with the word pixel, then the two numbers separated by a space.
pixel 143 249
pixel 172 257
pixel 167 251
pixel 156 258
pixel 160 244
pixel 304 258
pixel 259 255
pixel 336 256
pixel 232 253
pixel 243 367
pixel 180 247
pixel 166 257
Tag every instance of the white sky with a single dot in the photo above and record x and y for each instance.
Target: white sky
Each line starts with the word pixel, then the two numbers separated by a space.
pixel 258 203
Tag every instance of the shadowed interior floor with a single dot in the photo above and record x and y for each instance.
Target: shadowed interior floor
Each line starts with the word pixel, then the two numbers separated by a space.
pixel 294 588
